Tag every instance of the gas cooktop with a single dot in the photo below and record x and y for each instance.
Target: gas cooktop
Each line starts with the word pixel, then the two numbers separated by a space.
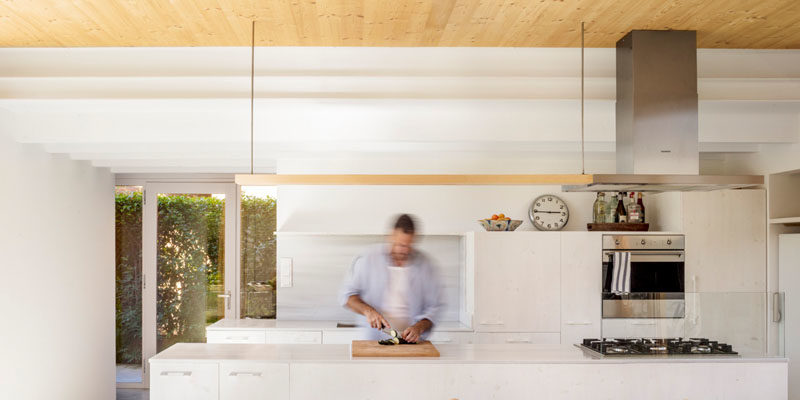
pixel 655 347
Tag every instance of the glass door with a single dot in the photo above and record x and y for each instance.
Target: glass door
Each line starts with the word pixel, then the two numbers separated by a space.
pixel 189 256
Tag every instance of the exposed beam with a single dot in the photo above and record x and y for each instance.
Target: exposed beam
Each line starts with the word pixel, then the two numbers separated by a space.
pixel 355 179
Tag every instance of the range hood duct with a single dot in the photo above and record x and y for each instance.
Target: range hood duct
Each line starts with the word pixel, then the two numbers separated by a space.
pixel 656 119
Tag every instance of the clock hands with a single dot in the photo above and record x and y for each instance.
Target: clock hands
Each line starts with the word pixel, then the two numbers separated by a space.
pixel 547 212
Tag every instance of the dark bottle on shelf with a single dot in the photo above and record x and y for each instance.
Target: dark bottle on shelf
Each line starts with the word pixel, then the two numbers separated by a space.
pixel 641 206
pixel 622 214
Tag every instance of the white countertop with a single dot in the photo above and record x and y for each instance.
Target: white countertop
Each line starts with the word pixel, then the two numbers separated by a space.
pixel 273 324
pixel 450 353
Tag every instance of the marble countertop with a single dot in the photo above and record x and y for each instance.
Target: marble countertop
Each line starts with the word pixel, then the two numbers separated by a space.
pixel 272 324
pixel 450 353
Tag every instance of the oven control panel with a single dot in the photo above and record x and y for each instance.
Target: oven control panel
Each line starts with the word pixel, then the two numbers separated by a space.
pixel 643 242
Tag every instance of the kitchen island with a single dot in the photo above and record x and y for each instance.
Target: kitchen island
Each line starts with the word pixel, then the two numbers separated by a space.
pixel 499 371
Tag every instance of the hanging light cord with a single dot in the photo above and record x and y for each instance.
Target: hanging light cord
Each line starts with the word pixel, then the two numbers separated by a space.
pixel 583 141
pixel 252 91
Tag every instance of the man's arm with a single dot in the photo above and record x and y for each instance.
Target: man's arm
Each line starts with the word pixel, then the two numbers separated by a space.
pixel 374 318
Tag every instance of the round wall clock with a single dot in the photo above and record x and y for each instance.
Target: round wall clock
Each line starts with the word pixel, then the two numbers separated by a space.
pixel 549 213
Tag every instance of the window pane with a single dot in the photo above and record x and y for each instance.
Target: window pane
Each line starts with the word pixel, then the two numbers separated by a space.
pixel 259 207
pixel 191 266
pixel 128 201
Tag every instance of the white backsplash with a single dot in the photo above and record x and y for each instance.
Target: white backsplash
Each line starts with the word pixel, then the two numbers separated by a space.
pixel 320 263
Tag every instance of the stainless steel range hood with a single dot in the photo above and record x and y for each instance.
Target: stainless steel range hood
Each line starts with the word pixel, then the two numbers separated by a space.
pixel 656 119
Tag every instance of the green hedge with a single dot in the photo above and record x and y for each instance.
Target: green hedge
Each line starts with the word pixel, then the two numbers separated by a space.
pixel 191 251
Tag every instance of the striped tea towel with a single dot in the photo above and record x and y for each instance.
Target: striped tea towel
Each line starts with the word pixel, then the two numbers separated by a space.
pixel 621 274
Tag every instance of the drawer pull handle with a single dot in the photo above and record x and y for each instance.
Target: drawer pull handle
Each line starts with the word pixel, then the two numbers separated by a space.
pixel 578 323
pixel 254 374
pixel 237 338
pixel 441 340
pixel 176 373
pixel 518 340
pixel 643 323
pixel 492 323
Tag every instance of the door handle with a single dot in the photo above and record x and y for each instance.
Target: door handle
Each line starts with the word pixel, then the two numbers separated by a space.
pixel 176 373
pixel 227 297
pixel 777 316
pixel 253 374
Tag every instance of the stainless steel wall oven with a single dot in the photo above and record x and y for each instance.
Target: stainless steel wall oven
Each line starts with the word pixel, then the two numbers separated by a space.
pixel 656 276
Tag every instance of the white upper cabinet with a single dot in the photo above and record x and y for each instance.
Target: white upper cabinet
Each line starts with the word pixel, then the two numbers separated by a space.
pixel 581 286
pixel 725 240
pixel 517 281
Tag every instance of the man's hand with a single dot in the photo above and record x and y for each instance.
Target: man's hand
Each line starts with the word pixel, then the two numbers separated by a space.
pixel 413 333
pixel 375 319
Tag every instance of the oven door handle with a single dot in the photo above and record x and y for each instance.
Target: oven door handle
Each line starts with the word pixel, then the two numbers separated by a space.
pixel 649 256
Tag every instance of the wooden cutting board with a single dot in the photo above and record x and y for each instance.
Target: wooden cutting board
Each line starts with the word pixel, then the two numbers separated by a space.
pixel 371 348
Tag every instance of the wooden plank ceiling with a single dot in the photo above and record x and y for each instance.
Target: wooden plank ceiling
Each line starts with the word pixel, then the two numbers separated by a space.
pixel 756 24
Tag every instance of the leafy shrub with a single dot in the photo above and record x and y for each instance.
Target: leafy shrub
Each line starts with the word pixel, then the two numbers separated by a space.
pixel 191 253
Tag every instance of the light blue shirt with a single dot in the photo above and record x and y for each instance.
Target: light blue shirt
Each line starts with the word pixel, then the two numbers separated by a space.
pixel 369 279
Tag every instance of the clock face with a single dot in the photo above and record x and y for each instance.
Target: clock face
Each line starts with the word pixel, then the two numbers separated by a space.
pixel 549 213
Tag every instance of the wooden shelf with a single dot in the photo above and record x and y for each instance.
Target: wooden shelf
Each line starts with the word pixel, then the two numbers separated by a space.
pixel 783 190
pixel 302 233
pixel 791 221
pixel 358 179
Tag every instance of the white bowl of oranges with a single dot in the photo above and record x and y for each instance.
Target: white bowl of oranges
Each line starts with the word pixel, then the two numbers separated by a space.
pixel 499 222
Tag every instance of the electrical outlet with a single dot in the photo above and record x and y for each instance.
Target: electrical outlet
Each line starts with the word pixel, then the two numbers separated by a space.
pixel 286 272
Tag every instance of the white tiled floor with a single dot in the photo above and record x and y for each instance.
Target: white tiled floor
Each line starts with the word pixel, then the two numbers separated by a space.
pixel 133 394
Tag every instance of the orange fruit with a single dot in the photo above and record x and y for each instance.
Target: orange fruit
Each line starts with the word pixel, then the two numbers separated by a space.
pixel 501 216
pixel 495 217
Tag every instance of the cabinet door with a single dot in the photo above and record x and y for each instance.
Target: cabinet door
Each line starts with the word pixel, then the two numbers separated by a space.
pixel 518 338
pixel 725 237
pixel 517 282
pixel 581 286
pixel 253 380
pixel 236 336
pixel 294 337
pixel 341 336
pixel 184 381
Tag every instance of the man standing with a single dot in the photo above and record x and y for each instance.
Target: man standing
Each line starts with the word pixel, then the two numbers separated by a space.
pixel 394 285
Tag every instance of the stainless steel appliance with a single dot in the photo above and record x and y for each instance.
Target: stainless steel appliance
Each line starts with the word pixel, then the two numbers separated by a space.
pixel 655 347
pixel 656 276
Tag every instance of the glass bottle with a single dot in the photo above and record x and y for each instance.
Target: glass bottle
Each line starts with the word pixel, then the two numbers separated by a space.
pixel 611 208
pixel 641 206
pixel 634 211
pixel 599 208
pixel 622 214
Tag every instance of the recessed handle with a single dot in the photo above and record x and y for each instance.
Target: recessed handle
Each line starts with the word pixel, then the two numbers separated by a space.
pixel 578 323
pixel 237 338
pixel 518 340
pixel 245 373
pixel 491 323
pixel 777 316
pixel 442 340
pixel 176 373
pixel 643 323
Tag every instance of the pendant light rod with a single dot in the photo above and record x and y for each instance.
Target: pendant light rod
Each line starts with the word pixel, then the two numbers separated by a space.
pixel 252 91
pixel 583 140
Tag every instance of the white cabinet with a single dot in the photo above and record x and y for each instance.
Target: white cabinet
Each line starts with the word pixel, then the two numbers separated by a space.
pixel 581 286
pixel 643 328
pixel 341 336
pixel 440 337
pixel 789 284
pixel 253 380
pixel 518 338
pixel 236 336
pixel 725 237
pixel 293 337
pixel 517 281
pixel 184 381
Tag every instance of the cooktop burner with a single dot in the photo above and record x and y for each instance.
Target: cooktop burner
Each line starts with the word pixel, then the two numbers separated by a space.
pixel 649 346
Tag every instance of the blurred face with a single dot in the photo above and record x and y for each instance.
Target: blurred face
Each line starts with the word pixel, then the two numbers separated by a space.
pixel 401 246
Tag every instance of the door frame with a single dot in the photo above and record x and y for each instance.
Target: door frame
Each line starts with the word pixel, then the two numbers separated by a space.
pixel 149 255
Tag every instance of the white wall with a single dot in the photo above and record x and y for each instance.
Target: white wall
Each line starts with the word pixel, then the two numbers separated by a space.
pixel 57 245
